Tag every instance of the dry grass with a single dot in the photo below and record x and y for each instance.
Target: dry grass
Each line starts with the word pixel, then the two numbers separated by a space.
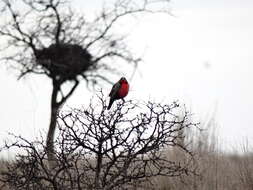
pixel 2 168
pixel 217 170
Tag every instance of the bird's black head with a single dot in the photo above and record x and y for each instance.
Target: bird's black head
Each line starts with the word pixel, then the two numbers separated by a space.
pixel 123 80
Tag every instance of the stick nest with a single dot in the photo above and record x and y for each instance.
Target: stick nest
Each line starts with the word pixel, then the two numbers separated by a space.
pixel 64 61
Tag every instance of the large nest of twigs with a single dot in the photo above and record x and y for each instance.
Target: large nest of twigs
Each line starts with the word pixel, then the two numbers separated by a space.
pixel 64 61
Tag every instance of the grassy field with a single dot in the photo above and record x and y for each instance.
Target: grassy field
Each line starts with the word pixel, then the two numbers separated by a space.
pixel 217 169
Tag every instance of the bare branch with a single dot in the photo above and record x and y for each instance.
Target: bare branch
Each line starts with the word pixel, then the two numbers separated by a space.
pixel 97 149
pixel 64 98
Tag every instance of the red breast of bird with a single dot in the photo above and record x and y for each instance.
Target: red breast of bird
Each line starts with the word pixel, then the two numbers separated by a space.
pixel 123 91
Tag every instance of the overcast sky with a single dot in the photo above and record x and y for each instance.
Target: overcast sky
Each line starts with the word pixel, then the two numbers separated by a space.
pixel 201 56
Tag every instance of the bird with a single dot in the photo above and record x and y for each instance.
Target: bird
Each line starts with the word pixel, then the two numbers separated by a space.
pixel 118 91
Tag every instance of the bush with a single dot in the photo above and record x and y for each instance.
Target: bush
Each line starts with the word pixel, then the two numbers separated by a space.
pixel 100 149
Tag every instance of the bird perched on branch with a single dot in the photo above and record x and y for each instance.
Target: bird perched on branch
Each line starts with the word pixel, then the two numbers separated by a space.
pixel 118 91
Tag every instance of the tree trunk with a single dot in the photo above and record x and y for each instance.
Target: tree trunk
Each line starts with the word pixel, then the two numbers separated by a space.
pixel 98 167
pixel 55 106
pixel 52 126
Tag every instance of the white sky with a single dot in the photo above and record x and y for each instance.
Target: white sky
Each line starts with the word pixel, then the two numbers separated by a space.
pixel 202 57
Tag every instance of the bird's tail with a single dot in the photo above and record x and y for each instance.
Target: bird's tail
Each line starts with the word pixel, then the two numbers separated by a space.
pixel 110 104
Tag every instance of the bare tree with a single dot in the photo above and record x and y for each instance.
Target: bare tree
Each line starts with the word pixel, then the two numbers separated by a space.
pixel 47 37
pixel 97 149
